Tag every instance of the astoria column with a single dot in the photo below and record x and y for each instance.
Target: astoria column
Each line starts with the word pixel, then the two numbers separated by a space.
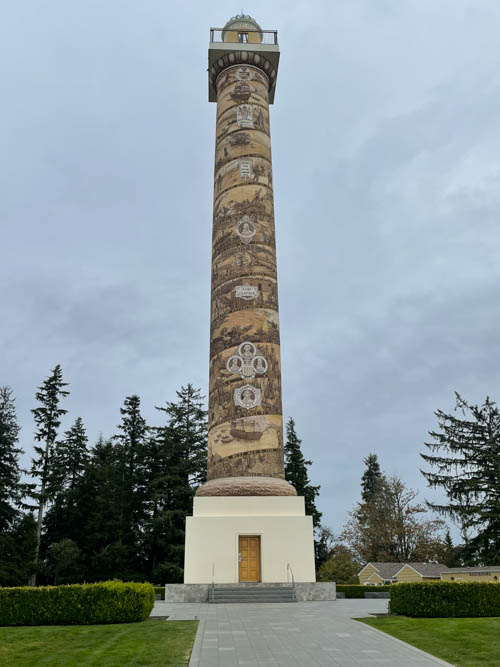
pixel 248 523
pixel 245 440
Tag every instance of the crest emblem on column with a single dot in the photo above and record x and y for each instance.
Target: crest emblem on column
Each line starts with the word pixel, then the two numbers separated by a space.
pixel 247 362
pixel 245 229
pixel 247 397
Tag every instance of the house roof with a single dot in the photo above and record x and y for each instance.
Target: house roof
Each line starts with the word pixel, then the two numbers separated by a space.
pixel 389 570
pixel 386 570
pixel 427 569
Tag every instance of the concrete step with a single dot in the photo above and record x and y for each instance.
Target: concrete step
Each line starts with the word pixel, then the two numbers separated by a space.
pixel 246 593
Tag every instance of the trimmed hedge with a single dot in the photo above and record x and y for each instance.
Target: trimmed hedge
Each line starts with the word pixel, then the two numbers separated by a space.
pixel 76 604
pixel 358 590
pixel 440 599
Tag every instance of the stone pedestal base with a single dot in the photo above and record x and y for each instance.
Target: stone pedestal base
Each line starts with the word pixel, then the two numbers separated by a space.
pixel 321 591
pixel 212 537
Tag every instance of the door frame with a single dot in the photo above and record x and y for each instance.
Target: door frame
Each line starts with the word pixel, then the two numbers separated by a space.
pixel 259 537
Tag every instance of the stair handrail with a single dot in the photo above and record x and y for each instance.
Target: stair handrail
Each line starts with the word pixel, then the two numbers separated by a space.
pixel 213 581
pixel 289 569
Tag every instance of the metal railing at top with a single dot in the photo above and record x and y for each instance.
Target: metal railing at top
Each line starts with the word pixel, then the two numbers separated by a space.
pixel 243 36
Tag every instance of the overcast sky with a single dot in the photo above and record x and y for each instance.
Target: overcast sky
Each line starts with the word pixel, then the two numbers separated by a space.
pixel 386 151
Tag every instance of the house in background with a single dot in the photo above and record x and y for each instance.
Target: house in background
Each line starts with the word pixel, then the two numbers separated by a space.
pixel 378 574
pixel 410 572
pixel 487 573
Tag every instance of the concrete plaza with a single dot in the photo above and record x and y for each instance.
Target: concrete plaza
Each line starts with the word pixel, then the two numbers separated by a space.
pixel 302 634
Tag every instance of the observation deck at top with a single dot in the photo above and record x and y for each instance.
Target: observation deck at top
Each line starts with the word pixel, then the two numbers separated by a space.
pixel 243 39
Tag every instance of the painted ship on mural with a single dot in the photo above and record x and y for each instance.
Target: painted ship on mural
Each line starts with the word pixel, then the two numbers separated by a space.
pixel 245 430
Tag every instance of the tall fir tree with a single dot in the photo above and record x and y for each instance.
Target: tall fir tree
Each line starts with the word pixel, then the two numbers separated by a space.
pixel 10 472
pixel 371 478
pixel 465 453
pixel 132 444
pixel 179 459
pixel 47 418
pixel 17 530
pixel 297 474
pixel 70 458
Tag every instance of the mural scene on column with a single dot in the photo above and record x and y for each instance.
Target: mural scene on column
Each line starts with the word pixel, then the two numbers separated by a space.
pixel 245 413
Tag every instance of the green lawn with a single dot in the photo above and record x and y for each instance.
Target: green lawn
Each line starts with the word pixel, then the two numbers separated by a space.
pixel 149 643
pixel 464 642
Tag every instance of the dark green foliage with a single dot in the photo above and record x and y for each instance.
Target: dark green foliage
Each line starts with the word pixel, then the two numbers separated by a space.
pixel 108 543
pixel 371 478
pixel 77 604
pixel 10 473
pixel 63 561
pixel 297 474
pixel 116 511
pixel 466 455
pixel 323 546
pixel 341 567
pixel 69 458
pixel 358 591
pixel 17 552
pixel 444 599
pixel 452 554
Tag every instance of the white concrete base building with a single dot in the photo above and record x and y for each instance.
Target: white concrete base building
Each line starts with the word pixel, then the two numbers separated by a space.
pixel 249 538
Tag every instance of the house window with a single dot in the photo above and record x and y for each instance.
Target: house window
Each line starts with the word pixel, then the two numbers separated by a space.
pixel 452 578
pixel 243 37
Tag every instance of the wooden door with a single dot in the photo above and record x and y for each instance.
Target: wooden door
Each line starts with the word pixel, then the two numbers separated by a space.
pixel 249 557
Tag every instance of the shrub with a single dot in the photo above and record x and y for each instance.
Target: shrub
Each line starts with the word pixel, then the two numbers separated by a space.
pixel 446 598
pixel 358 590
pixel 76 604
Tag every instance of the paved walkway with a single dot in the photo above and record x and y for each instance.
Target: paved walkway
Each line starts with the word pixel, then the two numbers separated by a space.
pixel 302 634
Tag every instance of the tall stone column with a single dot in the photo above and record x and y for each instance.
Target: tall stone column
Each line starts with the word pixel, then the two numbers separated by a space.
pixel 245 441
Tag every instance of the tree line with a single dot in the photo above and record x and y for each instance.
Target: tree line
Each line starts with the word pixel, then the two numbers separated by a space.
pixel 389 524
pixel 116 509
pixel 113 510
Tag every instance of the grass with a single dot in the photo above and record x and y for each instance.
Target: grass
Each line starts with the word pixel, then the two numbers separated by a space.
pixel 149 643
pixel 464 642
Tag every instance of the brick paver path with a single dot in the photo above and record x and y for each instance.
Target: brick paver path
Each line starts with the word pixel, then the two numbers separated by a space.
pixel 302 634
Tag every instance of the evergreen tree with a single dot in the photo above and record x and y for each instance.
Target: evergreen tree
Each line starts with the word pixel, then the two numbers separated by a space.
pixel 466 457
pixel 10 473
pixel 69 458
pixel 63 562
pixel 297 474
pixel 371 478
pixel 104 536
pixel 47 419
pixel 63 519
pixel 323 546
pixel 17 551
pixel 133 454
pixel 452 555
pixel 179 459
